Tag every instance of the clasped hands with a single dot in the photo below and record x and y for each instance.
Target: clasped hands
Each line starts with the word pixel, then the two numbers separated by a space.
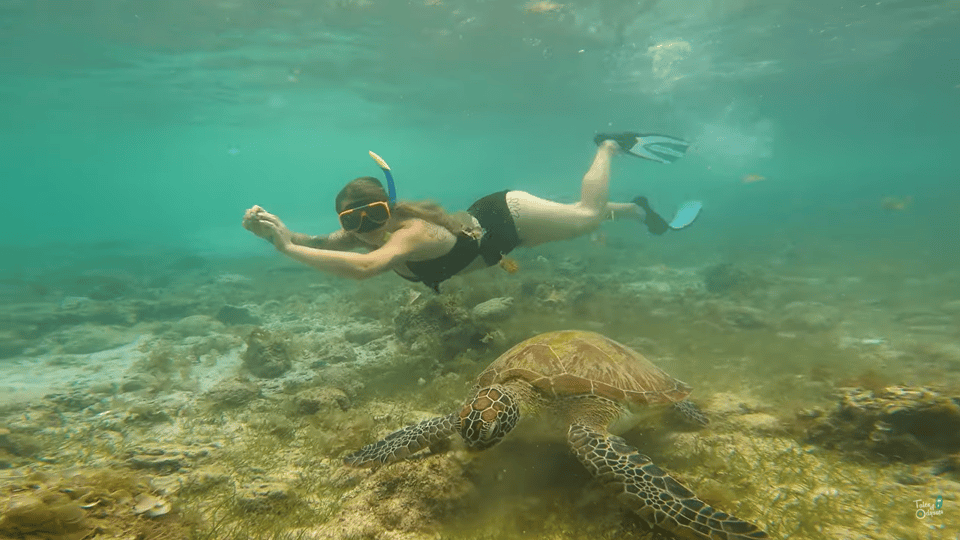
pixel 267 226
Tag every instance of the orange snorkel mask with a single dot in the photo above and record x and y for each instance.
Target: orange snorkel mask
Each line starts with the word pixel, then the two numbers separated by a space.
pixel 366 217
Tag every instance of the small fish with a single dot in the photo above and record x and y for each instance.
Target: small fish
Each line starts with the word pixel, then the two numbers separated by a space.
pixel 510 265
pixel 751 178
pixel 896 204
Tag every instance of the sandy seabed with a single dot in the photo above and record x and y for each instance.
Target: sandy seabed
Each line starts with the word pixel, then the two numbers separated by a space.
pixel 200 397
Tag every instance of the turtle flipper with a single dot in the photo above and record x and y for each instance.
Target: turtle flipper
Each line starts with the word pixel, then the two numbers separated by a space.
pixel 691 413
pixel 650 492
pixel 403 442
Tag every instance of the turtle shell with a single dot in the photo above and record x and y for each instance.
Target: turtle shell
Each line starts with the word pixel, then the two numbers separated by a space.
pixel 573 362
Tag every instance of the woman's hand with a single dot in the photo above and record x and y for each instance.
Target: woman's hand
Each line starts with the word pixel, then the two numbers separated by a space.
pixel 251 222
pixel 267 226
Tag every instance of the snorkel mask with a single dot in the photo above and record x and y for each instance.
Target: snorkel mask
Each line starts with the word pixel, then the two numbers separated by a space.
pixel 364 218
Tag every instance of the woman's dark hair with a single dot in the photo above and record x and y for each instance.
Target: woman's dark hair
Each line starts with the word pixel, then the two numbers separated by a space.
pixel 368 189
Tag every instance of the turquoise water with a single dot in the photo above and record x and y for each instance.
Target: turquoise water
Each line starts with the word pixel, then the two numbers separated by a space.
pixel 132 120
pixel 135 134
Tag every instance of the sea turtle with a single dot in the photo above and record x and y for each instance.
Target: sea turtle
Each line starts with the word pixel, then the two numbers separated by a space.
pixel 588 382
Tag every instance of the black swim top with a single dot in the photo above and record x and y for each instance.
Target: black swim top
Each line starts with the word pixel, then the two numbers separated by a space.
pixel 499 238
pixel 433 272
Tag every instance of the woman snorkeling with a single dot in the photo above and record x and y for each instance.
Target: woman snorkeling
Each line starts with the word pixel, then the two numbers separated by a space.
pixel 421 242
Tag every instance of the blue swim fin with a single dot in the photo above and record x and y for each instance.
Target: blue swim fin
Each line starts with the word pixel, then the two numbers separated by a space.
pixel 686 214
pixel 652 146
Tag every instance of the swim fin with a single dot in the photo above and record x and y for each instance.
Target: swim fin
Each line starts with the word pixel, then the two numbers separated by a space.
pixel 656 224
pixel 686 214
pixel 652 146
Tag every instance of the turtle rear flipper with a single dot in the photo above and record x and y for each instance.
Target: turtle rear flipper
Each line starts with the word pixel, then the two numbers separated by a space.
pixel 650 492
pixel 403 442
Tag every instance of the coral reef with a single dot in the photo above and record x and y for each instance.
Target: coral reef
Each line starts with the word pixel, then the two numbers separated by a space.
pixel 725 278
pixel 268 354
pixel 205 398
pixel 46 513
pixel 321 398
pixel 894 423
pixel 494 310
pixel 409 501
pixel 92 502
pixel 439 323
pixel 231 393
pixel 237 315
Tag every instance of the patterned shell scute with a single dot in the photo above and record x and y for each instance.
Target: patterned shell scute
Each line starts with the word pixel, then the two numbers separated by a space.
pixel 575 362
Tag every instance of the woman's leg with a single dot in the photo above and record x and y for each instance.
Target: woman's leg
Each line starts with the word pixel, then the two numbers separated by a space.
pixel 617 211
pixel 539 221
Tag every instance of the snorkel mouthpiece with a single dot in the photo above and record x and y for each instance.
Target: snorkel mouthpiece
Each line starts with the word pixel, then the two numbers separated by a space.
pixel 391 188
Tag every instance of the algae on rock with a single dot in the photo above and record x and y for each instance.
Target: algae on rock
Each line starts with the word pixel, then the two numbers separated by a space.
pixel 268 355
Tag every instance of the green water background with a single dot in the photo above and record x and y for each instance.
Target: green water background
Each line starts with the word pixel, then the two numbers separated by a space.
pixel 161 122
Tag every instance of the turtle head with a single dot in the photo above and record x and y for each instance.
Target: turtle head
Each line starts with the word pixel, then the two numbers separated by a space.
pixel 487 419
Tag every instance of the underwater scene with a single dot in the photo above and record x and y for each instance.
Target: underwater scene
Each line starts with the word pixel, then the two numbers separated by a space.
pixel 480 269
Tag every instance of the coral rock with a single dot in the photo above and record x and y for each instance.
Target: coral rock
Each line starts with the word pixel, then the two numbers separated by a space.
pixel 897 423
pixel 325 398
pixel 493 310
pixel 264 496
pixel 362 334
pixel 233 315
pixel 268 354
pixel 232 393
pixel 150 506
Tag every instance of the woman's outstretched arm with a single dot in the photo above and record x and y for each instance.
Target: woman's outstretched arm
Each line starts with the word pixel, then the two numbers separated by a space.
pixel 338 240
pixel 254 221
pixel 348 264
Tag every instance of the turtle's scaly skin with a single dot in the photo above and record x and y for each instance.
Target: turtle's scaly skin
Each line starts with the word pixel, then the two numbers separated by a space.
pixel 404 442
pixel 691 413
pixel 590 381
pixel 650 492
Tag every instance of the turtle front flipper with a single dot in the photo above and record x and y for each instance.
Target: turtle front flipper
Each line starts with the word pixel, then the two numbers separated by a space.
pixel 403 442
pixel 691 413
pixel 651 493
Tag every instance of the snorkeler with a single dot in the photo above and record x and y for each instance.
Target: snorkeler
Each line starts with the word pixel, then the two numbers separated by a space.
pixel 423 243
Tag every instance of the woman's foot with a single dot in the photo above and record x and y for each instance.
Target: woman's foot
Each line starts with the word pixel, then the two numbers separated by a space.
pixel 662 148
pixel 609 144
pixel 656 224
pixel 622 140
